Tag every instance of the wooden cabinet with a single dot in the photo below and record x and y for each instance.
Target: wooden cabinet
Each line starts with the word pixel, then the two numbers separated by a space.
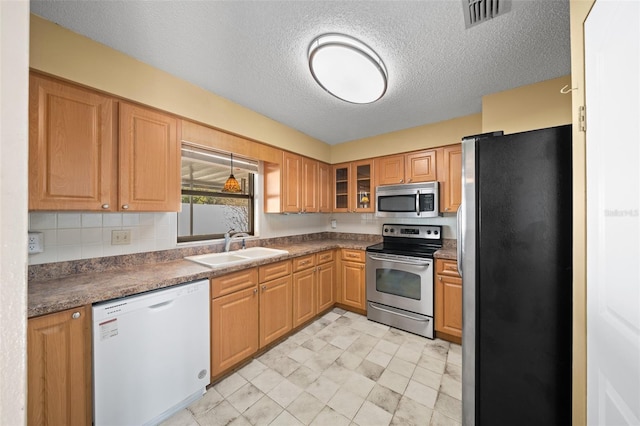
pixel 234 319
pixel 79 161
pixel 59 368
pixel 275 301
pixel 352 284
pixel 326 280
pixel 72 147
pixel 419 166
pixel 450 177
pixel 448 301
pixel 304 289
pixel 354 189
pixel 296 185
pixel 149 160
pixel 325 192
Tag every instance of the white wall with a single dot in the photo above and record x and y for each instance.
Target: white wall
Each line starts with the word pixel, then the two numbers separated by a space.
pixel 14 65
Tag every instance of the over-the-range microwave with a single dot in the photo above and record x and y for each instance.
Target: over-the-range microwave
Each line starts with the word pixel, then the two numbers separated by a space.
pixel 415 200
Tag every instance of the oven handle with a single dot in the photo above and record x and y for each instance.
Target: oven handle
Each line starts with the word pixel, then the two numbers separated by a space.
pixel 399 261
pixel 398 313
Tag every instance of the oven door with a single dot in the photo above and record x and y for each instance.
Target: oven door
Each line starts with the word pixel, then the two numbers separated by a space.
pixel 401 282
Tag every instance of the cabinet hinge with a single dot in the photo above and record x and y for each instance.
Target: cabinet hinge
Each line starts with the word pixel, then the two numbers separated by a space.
pixel 582 120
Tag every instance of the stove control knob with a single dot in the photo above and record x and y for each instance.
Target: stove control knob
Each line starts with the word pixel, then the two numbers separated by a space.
pixel 386 229
pixel 435 232
pixel 429 232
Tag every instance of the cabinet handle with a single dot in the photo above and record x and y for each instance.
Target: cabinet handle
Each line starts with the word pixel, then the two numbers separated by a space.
pixel 75 315
pixel 361 266
pixel 439 278
pixel 264 288
pixel 409 180
pixel 446 209
pixel 125 206
pixel 401 180
pixel 105 206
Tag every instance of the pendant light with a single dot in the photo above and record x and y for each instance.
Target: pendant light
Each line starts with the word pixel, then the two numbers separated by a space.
pixel 231 185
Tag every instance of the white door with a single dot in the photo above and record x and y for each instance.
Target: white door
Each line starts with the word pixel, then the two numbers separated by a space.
pixel 612 58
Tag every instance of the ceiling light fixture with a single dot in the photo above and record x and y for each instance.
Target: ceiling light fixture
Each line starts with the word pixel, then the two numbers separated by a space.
pixel 231 185
pixel 347 68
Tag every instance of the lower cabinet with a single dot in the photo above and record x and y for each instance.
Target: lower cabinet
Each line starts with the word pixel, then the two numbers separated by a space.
pixel 234 319
pixel 448 301
pixel 59 368
pixel 352 286
pixel 304 289
pixel 275 301
pixel 326 280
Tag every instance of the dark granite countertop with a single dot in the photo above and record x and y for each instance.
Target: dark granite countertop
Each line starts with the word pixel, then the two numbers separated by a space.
pixel 57 287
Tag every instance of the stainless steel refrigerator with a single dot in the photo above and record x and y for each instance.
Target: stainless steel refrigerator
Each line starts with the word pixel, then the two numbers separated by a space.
pixel 515 256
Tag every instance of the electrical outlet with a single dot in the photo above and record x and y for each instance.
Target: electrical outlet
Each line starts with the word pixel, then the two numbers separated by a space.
pixel 120 237
pixel 36 242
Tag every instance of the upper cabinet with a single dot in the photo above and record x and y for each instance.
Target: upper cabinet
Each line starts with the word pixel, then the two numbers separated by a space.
pixel 149 160
pixel 450 177
pixel 412 167
pixel 72 148
pixel 354 187
pixel 297 185
pixel 79 161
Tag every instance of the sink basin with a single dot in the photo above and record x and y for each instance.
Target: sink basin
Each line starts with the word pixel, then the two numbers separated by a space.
pixel 236 256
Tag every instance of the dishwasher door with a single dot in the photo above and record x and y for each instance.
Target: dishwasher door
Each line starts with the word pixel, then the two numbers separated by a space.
pixel 150 354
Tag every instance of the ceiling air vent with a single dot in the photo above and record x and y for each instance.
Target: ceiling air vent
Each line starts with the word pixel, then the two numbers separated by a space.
pixel 478 11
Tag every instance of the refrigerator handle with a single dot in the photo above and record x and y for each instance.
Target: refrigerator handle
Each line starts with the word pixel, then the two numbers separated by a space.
pixel 459 239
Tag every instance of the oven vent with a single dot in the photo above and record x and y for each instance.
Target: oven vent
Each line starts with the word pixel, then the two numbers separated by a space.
pixel 478 11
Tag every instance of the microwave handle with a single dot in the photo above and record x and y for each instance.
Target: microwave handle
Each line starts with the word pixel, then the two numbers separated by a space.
pixel 418 203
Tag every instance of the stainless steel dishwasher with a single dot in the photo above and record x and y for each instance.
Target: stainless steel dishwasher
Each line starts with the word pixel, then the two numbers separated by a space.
pixel 150 354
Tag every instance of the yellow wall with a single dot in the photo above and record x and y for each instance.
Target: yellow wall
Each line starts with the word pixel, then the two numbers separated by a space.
pixel 428 136
pixel 63 53
pixel 530 107
pixel 579 10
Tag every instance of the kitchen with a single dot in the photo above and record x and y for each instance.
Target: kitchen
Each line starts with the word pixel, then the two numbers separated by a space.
pixel 486 112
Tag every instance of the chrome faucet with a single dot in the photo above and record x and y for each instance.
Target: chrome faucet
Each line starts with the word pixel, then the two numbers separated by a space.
pixel 228 237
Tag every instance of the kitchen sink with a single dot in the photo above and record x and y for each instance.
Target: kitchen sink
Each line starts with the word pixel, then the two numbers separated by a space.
pixel 236 256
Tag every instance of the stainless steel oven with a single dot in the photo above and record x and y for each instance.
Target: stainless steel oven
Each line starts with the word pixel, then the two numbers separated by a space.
pixel 399 275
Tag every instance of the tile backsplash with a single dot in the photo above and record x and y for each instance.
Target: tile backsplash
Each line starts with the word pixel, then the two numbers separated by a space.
pixel 73 236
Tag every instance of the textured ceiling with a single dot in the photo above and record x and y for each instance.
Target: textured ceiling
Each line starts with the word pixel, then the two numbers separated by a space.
pixel 254 53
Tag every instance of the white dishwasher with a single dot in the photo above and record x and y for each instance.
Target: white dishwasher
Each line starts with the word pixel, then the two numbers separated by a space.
pixel 150 354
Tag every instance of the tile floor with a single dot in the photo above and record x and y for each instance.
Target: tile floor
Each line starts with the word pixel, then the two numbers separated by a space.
pixel 340 370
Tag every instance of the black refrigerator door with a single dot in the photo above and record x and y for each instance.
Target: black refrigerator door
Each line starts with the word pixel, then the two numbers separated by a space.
pixel 524 279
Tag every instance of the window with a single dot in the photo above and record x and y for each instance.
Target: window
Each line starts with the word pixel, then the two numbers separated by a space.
pixel 208 212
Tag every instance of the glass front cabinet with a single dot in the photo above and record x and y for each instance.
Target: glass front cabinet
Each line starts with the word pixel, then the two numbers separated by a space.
pixel 354 191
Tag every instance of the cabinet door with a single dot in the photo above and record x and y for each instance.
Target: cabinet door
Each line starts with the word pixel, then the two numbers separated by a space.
pixel 326 286
pixel 275 310
pixel 309 185
pixel 71 148
pixel 291 183
pixel 59 368
pixel 451 187
pixel 342 174
pixel 149 160
pixel 390 170
pixel 352 285
pixel 234 329
pixel 304 296
pixel 421 166
pixel 448 305
pixel 325 193
pixel 362 186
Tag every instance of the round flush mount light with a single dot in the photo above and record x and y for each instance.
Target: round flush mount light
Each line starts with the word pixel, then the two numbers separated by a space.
pixel 347 68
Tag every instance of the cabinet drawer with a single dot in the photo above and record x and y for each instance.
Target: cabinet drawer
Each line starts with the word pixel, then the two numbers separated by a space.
pixel 447 267
pixel 353 255
pixel 274 270
pixel 325 256
pixel 233 282
pixel 304 262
